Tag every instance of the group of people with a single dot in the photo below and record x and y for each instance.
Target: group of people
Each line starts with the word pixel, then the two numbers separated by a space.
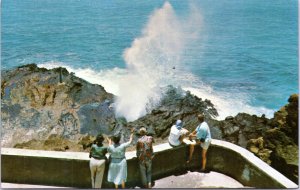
pixel 117 171
pixel 201 135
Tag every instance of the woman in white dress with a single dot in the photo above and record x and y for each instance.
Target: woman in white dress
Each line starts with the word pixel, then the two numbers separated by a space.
pixel 117 172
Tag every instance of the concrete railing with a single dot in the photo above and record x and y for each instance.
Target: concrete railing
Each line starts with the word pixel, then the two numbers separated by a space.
pixel 71 169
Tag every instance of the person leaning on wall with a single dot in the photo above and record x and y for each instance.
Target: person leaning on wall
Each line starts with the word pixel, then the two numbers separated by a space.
pixel 97 161
pixel 203 137
pixel 144 153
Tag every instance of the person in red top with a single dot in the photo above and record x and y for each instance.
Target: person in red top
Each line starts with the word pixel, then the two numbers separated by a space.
pixel 144 153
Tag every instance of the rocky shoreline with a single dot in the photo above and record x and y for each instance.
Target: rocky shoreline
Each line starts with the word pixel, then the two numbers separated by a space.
pixel 55 110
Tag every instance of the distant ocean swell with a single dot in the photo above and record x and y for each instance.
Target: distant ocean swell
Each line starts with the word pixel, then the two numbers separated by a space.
pixel 153 61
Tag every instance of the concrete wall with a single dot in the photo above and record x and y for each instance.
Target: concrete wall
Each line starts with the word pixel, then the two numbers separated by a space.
pixel 72 169
pixel 45 167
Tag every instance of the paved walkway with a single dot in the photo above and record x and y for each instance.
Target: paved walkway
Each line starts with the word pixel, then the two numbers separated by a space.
pixel 19 186
pixel 198 180
pixel 188 180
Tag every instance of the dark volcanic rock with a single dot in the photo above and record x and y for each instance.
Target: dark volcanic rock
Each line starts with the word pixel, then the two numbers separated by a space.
pixel 96 117
pixel 35 104
pixel 274 140
pixel 59 143
pixel 283 139
pixel 176 104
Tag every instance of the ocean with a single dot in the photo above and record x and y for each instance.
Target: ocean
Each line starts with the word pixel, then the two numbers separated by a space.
pixel 240 54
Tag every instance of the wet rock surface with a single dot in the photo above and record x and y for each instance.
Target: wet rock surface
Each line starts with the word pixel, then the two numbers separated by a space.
pixel 55 110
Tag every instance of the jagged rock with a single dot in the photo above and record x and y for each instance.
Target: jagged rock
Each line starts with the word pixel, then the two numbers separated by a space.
pixel 229 118
pixel 265 154
pixel 253 149
pixel 292 117
pixel 259 143
pixel 176 104
pixel 285 159
pixel 96 118
pixel 58 143
pixel 287 118
pixel 86 141
pixel 277 133
pixel 35 98
pixel 275 137
pixel 257 147
pixel 54 142
pixel 242 140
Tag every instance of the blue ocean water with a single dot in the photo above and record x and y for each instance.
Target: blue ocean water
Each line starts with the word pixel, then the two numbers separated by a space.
pixel 244 56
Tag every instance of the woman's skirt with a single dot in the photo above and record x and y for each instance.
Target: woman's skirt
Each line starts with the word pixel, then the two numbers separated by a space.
pixel 117 171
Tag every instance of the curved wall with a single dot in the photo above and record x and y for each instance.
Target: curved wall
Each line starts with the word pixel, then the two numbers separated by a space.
pixel 72 168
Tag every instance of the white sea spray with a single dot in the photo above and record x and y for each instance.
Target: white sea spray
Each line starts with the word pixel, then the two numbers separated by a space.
pixel 154 60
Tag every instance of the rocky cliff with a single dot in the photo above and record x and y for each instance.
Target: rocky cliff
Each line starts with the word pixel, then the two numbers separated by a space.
pixel 55 110
pixel 39 104
pixel 274 140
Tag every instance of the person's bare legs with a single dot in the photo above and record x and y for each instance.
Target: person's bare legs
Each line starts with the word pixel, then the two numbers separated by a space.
pixel 192 147
pixel 149 185
pixel 116 186
pixel 123 184
pixel 203 159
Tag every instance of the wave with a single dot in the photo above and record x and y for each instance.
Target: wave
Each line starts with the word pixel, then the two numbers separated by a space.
pixel 226 104
pixel 109 78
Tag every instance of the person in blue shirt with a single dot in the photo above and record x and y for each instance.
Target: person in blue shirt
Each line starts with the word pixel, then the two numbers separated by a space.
pixel 203 137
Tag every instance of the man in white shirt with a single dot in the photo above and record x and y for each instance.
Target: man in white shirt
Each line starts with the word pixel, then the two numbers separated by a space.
pixel 177 137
